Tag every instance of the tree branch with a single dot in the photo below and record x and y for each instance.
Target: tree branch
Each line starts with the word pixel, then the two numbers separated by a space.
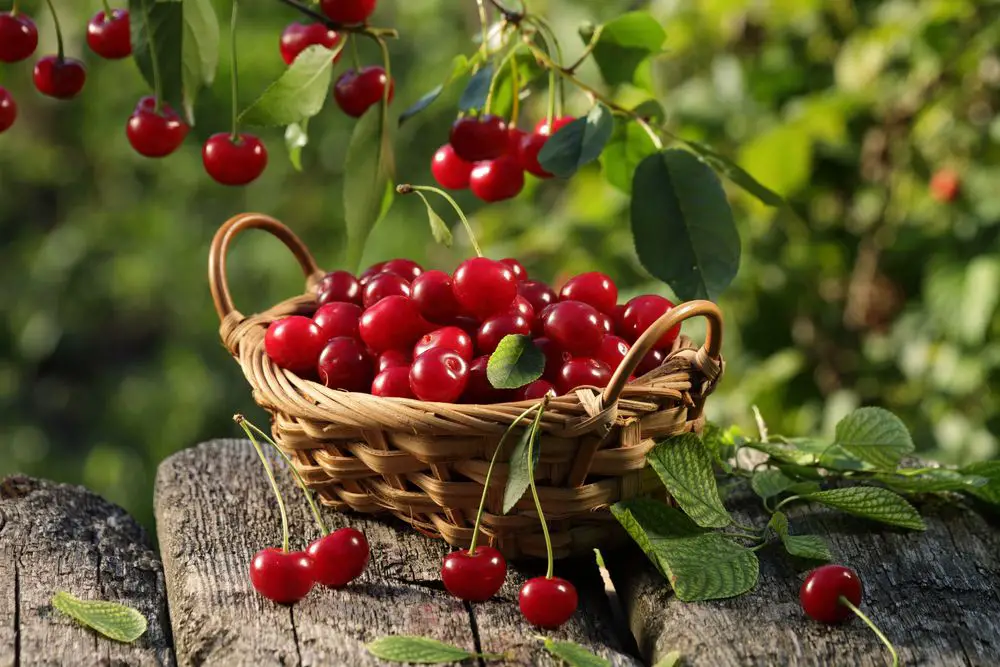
pixel 371 33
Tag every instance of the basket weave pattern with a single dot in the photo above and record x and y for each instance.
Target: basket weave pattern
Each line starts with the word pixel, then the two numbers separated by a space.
pixel 426 463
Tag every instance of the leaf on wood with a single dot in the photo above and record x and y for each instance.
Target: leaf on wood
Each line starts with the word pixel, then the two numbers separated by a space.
pixel 575 655
pixel 299 93
pixel 873 503
pixel 523 460
pixel 578 143
pixel 933 481
pixel 770 483
pixel 671 659
pixel 874 435
pixel 296 138
pixel 418 650
pixel 783 453
pixel 803 546
pixel 516 362
pixel 369 170
pixel 111 619
pixel 990 492
pixel 684 466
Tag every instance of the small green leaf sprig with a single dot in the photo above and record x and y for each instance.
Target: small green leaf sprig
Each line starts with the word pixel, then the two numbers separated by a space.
pixel 427 651
pixel 111 619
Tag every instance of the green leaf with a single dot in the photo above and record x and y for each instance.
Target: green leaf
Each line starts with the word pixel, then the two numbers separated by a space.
pixel 113 620
pixel 629 146
pixel 769 483
pixel 625 43
pixel 783 453
pixel 515 363
pixel 200 51
pixel 599 557
pixel 577 144
pixel 933 481
pixel 872 503
pixel 459 66
pixel 574 655
pixel 419 650
pixel 874 435
pixel 736 174
pixel 442 234
pixel 369 170
pixel 299 93
pixel 804 546
pixel 528 70
pixel 683 227
pixel 477 90
pixel 684 466
pixel 164 21
pixel 991 471
pixel 296 138
pixel 523 460
pixel 672 659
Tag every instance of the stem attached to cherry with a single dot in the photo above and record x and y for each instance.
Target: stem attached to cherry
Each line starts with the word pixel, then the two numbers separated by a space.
pixel 354 53
pixel 277 492
pixel 13 9
pixel 531 483
pixel 387 66
pixel 407 189
pixel 153 59
pixel 55 20
pixel 508 58
pixel 108 12
pixel 552 44
pixel 235 75
pixel 871 624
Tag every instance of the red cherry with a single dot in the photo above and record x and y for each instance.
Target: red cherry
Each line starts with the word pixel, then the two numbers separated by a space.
pixel 574 326
pixel 281 577
pixel 543 126
pixel 531 145
pixel 475 577
pixel 537 293
pixel 345 364
pixel 496 327
pixel 234 162
pixel 538 326
pixel 536 390
pixel 945 185
pixel 348 12
pixel 406 268
pixel 641 312
pixel 152 133
pixel 555 358
pixel 450 338
pixel 450 171
pixel 432 292
pixel 476 139
pixel 8 110
pixel 371 272
pixel 520 272
pixel 607 324
pixel 439 375
pixel 338 319
pixel 61 78
pixel 393 359
pixel 547 603
pixel 514 139
pixel 339 286
pixel 582 373
pixel 297 37
pixel 383 285
pixel 356 91
pixel 612 351
pixel 18 37
pixel 484 286
pixel 394 323
pixel 618 317
pixel 479 389
pixel 594 288
pixel 340 557
pixel 294 343
pixel 522 307
pixel 653 360
pixel 466 323
pixel 496 180
pixel 821 592
pixel 109 37
pixel 393 382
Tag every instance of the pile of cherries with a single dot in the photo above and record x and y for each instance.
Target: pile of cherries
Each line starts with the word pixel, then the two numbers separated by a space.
pixel 489 157
pixel 401 331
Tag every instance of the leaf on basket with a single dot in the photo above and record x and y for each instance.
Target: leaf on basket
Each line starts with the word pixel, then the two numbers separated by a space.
pixel 419 650
pixel 111 619
pixel 574 655
pixel 803 546
pixel 872 503
pixel 521 466
pixel 685 468
pixel 515 363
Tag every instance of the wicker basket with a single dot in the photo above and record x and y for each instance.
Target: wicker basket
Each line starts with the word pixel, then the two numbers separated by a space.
pixel 426 462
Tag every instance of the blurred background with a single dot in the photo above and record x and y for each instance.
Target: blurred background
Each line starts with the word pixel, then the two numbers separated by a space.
pixel 868 289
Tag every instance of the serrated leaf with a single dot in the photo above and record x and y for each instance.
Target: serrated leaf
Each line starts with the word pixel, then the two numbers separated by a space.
pixel 296 138
pixel 163 20
pixel 626 43
pixel 459 66
pixel 369 169
pixel 299 93
pixel 933 481
pixel 684 466
pixel 419 650
pixel 111 619
pixel 578 143
pixel 477 90
pixel 682 225
pixel 872 503
pixel 770 483
pixel 672 659
pixel 874 435
pixel 515 363
pixel 200 53
pixel 523 461
pixel 990 492
pixel 804 546
pixel 736 174
pixel 575 655
pixel 628 147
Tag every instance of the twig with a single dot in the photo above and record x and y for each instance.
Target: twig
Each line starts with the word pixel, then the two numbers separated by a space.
pixel 371 33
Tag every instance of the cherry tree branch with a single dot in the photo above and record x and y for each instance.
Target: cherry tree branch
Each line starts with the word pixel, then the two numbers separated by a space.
pixel 371 33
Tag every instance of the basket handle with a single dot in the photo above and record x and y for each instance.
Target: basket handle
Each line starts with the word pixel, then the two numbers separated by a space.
pixel 220 245
pixel 670 319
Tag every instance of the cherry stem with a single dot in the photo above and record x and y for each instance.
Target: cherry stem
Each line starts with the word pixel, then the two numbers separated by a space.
pixel 552 43
pixel 531 484
pixel 407 189
pixel 59 36
pixel 235 76
pixel 496 77
pixel 277 492
pixel 154 60
pixel 591 45
pixel 367 31
pixel 489 474
pixel 244 422
pixel 515 82
pixel 871 624
pixel 484 28
pixel 354 53
pixel 13 9
pixel 108 12
pixel 387 66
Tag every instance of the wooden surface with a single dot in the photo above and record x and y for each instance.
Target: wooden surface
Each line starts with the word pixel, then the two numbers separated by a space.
pixel 55 537
pixel 214 509
pixel 936 595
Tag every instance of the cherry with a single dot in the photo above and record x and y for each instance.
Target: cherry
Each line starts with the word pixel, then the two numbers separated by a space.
pixel 520 272
pixel 606 322
pixel 495 327
pixel 641 312
pixel 821 591
pixel 618 318
pixel 297 37
pixel 345 364
pixel 582 372
pixel 653 360
pixel 393 359
pixel 514 139
pixel 393 382
pixel 945 185
pixel 449 170
pixel 109 36
pixel 594 288
pixel 555 358
pixel 612 351
pixel 339 286
pixel 475 577
pixel 479 389
pixel 574 326
pixel 340 557
pixel 281 577
pixel 232 162
pixel 18 37
pixel 466 323
pixel 155 133
pixel 450 338
pixel 538 326
pixel 531 145
pixel 537 293
pixel 356 91
pixel 8 110
pixel 432 292
pixel 294 343
pixel 371 272
pixel 547 603
pixel 496 180
pixel 383 285
pixel 406 268
pixel 476 139
pixel 522 307
pixel 348 12
pixel 61 78
pixel 338 319
pixel 484 286
pixel 536 390
pixel 394 323
pixel 439 375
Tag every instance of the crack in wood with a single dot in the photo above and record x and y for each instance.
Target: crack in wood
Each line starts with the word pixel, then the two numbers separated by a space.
pixel 474 625
pixel 295 636
pixel 17 612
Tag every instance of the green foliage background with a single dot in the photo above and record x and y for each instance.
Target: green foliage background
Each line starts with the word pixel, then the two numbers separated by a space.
pixel 863 291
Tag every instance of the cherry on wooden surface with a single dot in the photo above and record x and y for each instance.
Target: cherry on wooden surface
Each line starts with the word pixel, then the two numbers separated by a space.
pixel 821 591
pixel 474 577
pixel 340 557
pixel 547 603
pixel 281 577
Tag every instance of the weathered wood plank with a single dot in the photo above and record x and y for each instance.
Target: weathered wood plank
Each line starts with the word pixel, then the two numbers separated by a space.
pixel 214 510
pixel 55 537
pixel 935 594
